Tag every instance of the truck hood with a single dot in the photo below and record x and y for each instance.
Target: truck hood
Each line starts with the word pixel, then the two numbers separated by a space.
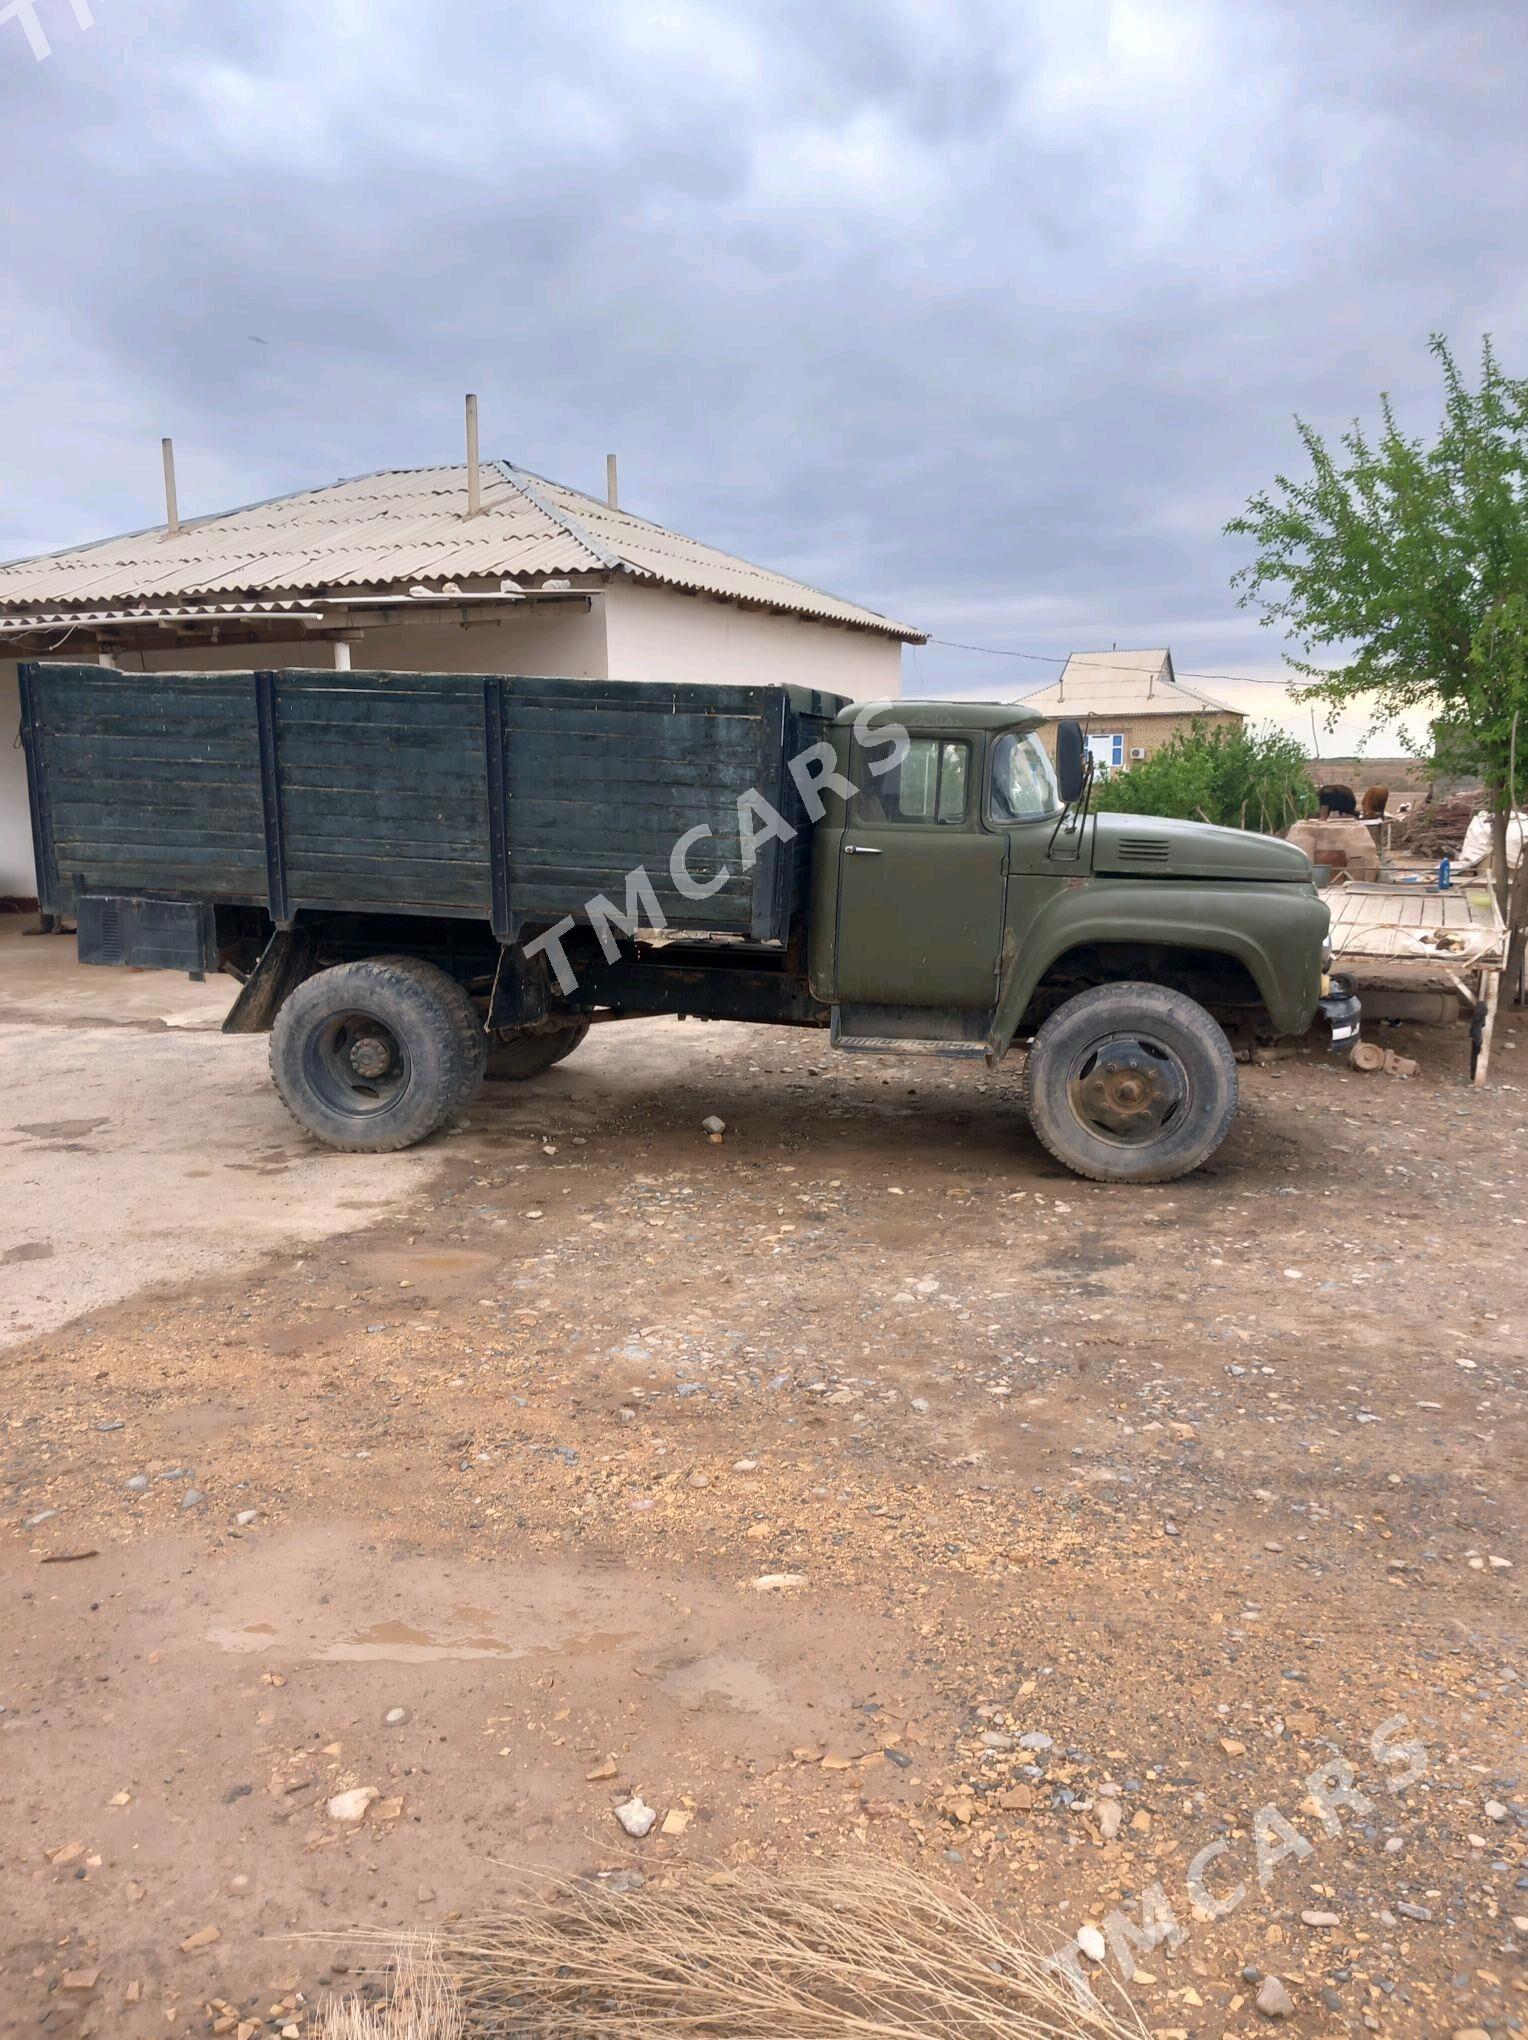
pixel 1148 846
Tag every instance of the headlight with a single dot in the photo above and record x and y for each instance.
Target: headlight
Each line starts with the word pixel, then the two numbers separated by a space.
pixel 1328 957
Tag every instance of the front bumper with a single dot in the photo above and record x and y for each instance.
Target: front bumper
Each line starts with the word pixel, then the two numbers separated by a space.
pixel 1340 1009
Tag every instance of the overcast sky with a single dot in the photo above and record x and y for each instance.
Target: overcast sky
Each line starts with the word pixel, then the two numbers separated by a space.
pixel 987 315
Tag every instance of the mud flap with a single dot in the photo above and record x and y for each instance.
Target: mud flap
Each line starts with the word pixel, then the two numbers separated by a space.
pixel 285 961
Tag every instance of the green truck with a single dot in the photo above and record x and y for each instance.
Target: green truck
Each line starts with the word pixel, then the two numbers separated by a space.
pixel 420 879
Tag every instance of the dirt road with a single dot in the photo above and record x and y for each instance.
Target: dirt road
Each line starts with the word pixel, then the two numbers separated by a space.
pixel 1101 1523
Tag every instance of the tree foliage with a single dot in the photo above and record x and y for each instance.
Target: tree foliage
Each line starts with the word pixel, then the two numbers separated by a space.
pixel 1399 568
pixel 1241 778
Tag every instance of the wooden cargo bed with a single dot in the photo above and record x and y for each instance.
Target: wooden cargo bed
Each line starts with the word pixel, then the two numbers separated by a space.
pixel 503 798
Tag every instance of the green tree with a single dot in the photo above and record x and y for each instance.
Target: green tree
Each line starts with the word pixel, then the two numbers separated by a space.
pixel 1399 568
pixel 1241 778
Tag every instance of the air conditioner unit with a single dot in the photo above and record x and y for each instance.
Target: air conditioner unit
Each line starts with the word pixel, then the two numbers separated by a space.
pixel 1137 751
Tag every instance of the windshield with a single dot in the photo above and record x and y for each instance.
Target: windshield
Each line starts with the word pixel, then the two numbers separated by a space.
pixel 1023 782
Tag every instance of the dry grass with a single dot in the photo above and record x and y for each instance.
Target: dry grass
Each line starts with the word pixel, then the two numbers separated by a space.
pixel 869 1952
pixel 422 2004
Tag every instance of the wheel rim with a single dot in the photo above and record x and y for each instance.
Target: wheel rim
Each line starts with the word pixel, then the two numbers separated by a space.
pixel 1130 1089
pixel 356 1065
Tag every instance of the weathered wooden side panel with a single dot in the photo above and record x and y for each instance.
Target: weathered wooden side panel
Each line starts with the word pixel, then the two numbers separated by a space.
pixel 382 780
pixel 601 777
pixel 507 799
pixel 152 782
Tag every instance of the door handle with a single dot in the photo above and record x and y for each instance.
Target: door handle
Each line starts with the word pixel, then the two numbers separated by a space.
pixel 860 850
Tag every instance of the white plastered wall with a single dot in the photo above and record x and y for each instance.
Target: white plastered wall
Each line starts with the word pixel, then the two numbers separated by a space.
pixel 565 638
pixel 17 877
pixel 659 634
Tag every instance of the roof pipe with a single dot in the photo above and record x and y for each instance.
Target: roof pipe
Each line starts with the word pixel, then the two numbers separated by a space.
pixel 612 494
pixel 474 480
pixel 171 500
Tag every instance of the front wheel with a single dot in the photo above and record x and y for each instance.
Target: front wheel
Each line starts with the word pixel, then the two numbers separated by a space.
pixel 376 1055
pixel 1131 1083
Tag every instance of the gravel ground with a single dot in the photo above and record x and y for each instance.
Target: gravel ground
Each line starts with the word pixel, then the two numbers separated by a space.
pixel 860 1481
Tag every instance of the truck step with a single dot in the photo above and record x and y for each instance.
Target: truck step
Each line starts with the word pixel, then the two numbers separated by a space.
pixel 901 1044
pixel 866 1029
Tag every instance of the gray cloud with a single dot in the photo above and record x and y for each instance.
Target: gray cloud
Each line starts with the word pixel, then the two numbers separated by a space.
pixel 986 314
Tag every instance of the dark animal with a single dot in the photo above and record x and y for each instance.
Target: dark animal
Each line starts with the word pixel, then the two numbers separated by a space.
pixel 1336 800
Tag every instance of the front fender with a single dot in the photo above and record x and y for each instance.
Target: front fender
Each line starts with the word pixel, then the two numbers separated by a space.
pixel 1275 930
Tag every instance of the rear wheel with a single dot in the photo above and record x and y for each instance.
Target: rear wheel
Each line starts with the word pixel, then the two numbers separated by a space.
pixel 377 1055
pixel 513 1056
pixel 1131 1083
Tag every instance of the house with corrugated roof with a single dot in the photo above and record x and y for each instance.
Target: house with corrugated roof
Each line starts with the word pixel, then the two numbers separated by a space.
pixel 1130 703
pixel 444 569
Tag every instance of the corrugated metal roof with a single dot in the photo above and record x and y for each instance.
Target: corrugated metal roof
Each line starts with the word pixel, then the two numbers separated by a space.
pixel 180 612
pixel 400 526
pixel 1128 683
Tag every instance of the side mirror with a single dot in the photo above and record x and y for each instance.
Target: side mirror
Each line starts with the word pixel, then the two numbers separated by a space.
pixel 1071 769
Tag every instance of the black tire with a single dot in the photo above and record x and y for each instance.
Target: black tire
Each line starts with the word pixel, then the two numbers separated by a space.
pixel 377 1055
pixel 1131 1083
pixel 514 1056
pixel 466 1017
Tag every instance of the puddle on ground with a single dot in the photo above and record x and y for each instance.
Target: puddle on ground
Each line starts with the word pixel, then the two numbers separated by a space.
pixel 397 1643
pixel 737 1681
pixel 254 1636
pixel 404 1264
pixel 199 1422
pixel 1089 1254
pixel 464 1636
pixel 61 1129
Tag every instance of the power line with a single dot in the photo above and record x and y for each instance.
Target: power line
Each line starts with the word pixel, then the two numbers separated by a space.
pixel 1120 665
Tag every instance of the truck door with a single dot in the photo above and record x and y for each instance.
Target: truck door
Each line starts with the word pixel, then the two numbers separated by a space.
pixel 920 893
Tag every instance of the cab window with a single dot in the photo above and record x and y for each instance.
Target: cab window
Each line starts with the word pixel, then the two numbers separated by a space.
pixel 1023 780
pixel 931 785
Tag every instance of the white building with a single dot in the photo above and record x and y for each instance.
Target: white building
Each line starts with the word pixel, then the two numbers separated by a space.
pixel 402 571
